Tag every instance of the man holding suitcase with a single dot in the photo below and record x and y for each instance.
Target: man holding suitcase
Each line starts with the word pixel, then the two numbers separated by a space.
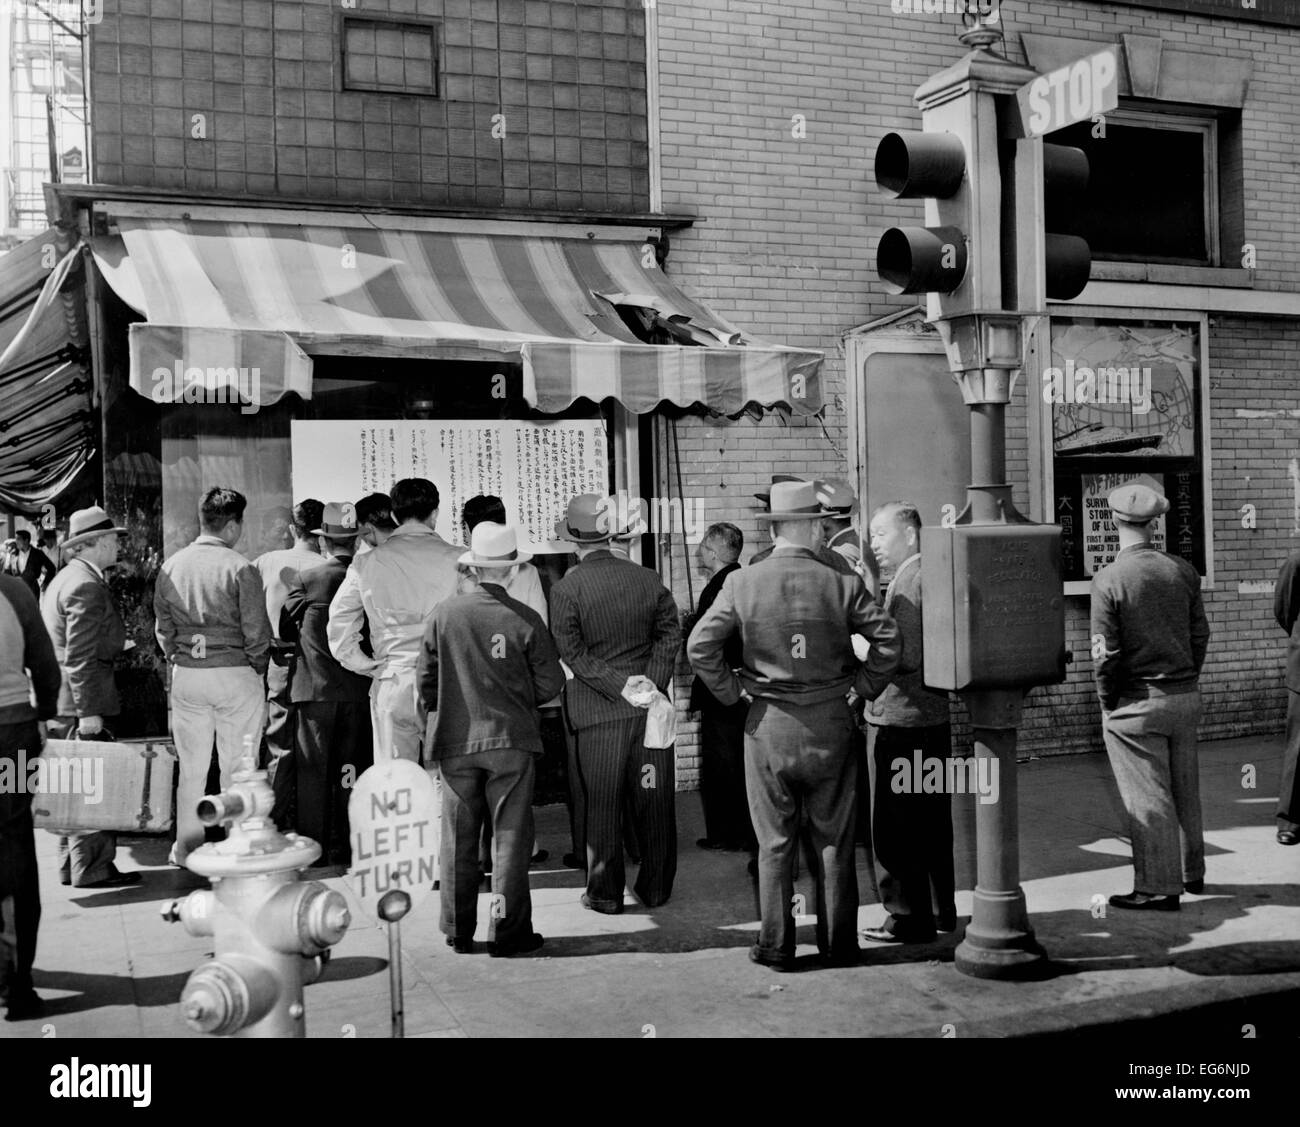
pixel 88 634
pixel 25 652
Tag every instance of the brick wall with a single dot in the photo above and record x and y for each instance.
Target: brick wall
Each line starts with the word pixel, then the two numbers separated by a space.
pixel 787 250
pixel 566 76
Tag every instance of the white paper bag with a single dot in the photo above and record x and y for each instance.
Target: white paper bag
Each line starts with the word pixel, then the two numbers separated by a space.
pixel 660 722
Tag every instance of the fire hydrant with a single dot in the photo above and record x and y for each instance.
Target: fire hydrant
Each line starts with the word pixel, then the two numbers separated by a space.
pixel 272 930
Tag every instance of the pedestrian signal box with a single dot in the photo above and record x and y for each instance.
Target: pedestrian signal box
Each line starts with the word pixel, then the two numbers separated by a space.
pixel 993 613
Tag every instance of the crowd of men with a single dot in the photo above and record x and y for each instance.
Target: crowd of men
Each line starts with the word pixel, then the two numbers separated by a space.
pixel 373 638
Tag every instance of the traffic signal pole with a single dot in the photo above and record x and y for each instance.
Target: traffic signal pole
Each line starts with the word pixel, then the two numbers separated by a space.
pixel 994 611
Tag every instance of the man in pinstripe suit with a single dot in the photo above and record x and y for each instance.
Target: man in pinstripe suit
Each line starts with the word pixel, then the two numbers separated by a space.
pixel 616 626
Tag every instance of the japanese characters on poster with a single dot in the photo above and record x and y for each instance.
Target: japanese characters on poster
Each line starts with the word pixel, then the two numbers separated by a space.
pixel 533 467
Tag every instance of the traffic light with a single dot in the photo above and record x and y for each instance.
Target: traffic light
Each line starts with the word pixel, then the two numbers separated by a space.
pixel 1067 257
pixel 930 166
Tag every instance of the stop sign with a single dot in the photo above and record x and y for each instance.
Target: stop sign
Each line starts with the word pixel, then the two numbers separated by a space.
pixel 393 814
pixel 1075 92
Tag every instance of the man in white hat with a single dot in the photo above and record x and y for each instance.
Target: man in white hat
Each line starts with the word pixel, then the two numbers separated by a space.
pixel 796 618
pixel 616 626
pixel 486 664
pixel 1149 637
pixel 88 636
pixel 330 704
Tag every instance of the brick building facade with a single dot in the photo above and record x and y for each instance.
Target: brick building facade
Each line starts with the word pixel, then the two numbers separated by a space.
pixel 761 118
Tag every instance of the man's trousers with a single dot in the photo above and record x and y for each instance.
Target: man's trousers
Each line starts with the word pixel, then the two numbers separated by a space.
pixel 1288 792
pixel 1151 744
pixel 616 769
pixel 332 737
pixel 499 783
pixel 281 729
pixel 84 858
pixel 225 703
pixel 799 761
pixel 20 896
pixel 722 774
pixel 912 831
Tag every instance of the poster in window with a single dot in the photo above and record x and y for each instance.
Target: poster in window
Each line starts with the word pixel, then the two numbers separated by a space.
pixel 1124 403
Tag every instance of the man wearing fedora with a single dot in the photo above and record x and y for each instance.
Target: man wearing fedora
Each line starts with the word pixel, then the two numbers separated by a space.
pixel 1149 637
pixel 276 568
pixel 796 618
pixel 834 560
pixel 88 635
pixel 213 630
pixel 616 626
pixel 330 704
pixel 841 537
pixel 486 664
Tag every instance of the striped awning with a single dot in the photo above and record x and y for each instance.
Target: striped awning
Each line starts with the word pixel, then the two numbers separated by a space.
pixel 47 431
pixel 223 298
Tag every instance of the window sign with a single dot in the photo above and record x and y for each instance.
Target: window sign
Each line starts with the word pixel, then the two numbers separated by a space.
pixel 1124 401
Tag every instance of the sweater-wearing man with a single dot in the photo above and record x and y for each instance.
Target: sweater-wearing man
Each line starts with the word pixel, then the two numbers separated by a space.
pixel 277 568
pixel 1149 637
pixel 486 664
pixel 911 831
pixel 28 670
pixel 212 626
pixel 88 635
pixel 796 618
pixel 330 704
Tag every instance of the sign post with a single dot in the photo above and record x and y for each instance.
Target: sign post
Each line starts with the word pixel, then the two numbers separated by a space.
pixel 393 815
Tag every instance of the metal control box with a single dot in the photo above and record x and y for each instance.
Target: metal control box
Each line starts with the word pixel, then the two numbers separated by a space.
pixel 992 603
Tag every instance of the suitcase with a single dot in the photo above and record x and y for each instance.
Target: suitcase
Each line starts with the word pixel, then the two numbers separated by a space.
pixel 127 786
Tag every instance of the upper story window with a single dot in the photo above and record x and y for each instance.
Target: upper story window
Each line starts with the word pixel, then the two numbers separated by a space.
pixel 390 56
pixel 1152 190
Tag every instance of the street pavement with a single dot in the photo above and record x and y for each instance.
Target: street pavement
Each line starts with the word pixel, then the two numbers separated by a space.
pixel 1226 966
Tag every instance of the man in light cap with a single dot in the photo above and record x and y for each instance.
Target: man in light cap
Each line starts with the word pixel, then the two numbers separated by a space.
pixel 841 536
pixel 1149 637
pixel 486 664
pixel 796 618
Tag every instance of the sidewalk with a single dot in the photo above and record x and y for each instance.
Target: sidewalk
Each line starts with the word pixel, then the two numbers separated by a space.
pixel 108 966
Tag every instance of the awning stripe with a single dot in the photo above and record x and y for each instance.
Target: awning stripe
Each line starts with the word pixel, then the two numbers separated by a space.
pixel 293 291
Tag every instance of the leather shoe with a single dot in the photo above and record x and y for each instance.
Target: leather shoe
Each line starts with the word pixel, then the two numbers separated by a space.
pixel 523 947
pixel 946 922
pixel 776 962
pixel 840 959
pixel 1144 901
pixel 24 1007
pixel 540 856
pixel 460 946
pixel 571 862
pixel 121 880
pixel 588 904
pixel 712 845
pixel 1195 887
pixel 1288 837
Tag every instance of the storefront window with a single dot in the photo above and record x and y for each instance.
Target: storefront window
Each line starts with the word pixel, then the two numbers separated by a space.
pixel 1124 398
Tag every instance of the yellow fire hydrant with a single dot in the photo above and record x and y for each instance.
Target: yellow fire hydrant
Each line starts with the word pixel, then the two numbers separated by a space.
pixel 272 930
